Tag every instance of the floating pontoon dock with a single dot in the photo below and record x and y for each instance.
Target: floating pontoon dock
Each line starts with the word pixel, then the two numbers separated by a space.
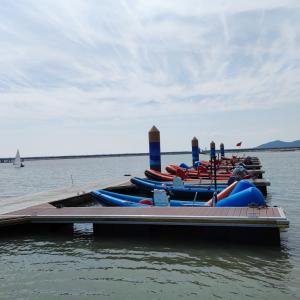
pixel 240 223
pixel 73 205
pixel 270 217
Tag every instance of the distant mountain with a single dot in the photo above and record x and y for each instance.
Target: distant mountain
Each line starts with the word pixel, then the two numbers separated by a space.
pixel 280 144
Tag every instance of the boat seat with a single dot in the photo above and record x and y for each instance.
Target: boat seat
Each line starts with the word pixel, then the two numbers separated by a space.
pixel 160 198
pixel 177 182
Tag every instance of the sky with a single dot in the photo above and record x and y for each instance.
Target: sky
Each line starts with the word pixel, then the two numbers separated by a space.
pixel 92 77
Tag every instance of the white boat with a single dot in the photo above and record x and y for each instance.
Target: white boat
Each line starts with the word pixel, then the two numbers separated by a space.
pixel 17 161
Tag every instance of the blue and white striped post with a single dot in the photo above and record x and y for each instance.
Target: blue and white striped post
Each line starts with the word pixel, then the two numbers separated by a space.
pixel 213 162
pixel 195 150
pixel 222 150
pixel 154 149
pixel 212 150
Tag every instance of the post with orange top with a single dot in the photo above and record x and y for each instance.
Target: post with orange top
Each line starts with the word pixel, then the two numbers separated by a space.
pixel 154 149
pixel 195 150
pixel 222 150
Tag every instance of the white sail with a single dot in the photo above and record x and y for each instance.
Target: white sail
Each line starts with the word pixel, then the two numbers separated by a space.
pixel 17 162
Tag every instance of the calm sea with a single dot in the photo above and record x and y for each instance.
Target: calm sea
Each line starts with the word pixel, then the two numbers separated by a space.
pixel 80 266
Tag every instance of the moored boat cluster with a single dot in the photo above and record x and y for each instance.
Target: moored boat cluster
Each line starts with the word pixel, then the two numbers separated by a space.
pixel 217 182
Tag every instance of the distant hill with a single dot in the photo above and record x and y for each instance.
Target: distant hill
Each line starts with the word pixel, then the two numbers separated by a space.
pixel 280 144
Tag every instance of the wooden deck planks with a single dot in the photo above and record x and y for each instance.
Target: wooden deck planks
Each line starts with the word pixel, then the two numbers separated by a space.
pixel 263 212
pixel 43 210
pixel 190 216
pixel 273 212
pixel 237 211
pixel 243 211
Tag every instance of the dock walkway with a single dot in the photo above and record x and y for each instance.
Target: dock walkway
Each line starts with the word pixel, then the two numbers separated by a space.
pixel 242 224
pixel 11 204
pixel 192 216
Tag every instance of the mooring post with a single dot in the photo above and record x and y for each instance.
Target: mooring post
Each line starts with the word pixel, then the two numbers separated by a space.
pixel 154 149
pixel 222 150
pixel 213 162
pixel 195 150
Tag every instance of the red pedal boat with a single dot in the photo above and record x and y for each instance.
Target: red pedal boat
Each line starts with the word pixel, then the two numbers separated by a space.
pixel 159 176
pixel 201 172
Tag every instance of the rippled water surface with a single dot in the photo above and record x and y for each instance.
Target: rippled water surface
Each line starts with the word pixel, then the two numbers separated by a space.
pixel 81 266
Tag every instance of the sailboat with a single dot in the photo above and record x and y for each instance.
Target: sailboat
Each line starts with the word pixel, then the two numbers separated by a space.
pixel 17 161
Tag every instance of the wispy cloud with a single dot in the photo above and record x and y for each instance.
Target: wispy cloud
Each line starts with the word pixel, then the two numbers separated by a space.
pixel 142 59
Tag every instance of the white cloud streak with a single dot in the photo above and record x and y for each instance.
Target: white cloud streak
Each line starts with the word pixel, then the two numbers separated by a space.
pixel 142 59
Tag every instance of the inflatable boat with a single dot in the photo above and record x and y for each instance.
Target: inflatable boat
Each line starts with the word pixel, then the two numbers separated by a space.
pixel 116 199
pixel 200 172
pixel 188 176
pixel 239 194
pixel 196 183
pixel 180 190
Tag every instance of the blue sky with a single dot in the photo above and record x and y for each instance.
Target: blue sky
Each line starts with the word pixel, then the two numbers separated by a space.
pixel 86 77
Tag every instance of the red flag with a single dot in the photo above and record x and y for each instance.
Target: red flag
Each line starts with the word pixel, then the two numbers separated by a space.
pixel 239 144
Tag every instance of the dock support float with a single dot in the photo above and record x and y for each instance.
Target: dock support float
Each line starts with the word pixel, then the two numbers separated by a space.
pixel 194 234
pixel 27 227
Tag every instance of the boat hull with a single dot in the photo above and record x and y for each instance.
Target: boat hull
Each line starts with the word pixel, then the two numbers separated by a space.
pixel 116 199
pixel 184 192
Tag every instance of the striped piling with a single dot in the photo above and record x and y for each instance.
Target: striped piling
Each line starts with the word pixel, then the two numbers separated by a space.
pixel 212 150
pixel 222 150
pixel 195 150
pixel 213 163
pixel 154 149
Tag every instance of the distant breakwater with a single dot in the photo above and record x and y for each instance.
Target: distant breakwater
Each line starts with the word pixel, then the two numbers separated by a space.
pixel 10 159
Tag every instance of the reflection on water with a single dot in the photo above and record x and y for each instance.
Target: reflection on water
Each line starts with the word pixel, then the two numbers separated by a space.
pixel 45 266
pixel 131 267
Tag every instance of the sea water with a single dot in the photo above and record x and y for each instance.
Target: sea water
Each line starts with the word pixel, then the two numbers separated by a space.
pixel 82 266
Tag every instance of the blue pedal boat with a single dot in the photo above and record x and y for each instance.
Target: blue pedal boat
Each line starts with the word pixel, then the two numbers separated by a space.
pixel 244 194
pixel 184 191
